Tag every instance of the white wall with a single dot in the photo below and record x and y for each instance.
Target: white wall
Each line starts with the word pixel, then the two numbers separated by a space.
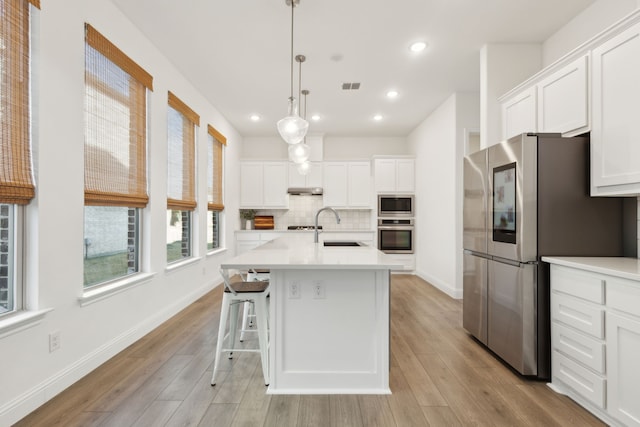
pixel 587 24
pixel 438 144
pixel 93 333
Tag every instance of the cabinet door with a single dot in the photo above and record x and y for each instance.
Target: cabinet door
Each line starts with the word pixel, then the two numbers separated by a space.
pixel 615 140
pixel 251 192
pixel 623 388
pixel 275 184
pixel 314 177
pixel 311 179
pixel 405 176
pixel 335 184
pixel 563 100
pixel 359 185
pixel 295 179
pixel 385 175
pixel 519 114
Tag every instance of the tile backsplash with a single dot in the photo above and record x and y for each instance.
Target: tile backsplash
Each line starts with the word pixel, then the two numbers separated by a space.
pixel 302 211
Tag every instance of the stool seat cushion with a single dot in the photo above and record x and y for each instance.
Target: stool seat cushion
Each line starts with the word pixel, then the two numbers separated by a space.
pixel 241 287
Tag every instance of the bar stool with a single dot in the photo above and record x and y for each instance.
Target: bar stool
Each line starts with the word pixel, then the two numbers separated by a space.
pixel 248 310
pixel 237 292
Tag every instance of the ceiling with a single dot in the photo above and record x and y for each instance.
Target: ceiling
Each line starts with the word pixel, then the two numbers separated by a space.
pixel 238 54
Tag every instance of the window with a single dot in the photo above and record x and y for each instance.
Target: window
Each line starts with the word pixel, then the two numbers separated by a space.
pixel 181 200
pixel 115 165
pixel 17 186
pixel 215 204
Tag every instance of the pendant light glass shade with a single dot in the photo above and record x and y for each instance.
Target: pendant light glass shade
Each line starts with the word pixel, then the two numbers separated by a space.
pixel 304 167
pixel 299 152
pixel 293 128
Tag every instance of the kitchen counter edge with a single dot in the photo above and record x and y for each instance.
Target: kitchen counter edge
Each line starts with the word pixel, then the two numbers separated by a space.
pixel 626 268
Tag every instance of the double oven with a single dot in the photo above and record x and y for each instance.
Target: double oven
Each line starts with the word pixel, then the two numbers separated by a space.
pixel 395 223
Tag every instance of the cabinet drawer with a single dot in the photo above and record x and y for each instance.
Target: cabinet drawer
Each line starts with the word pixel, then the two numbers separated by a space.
pixel 623 295
pixel 586 317
pixel 585 382
pixel 586 350
pixel 580 284
pixel 248 236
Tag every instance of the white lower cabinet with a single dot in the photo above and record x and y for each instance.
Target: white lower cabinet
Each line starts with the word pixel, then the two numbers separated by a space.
pixel 595 341
pixel 247 240
pixel 623 350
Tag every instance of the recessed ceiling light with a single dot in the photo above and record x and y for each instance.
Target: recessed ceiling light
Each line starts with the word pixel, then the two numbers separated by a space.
pixel 377 117
pixel 417 46
pixel 392 94
pixel 315 117
pixel 254 117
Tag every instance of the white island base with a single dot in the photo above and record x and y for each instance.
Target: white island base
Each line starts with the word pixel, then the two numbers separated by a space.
pixel 333 337
pixel 328 316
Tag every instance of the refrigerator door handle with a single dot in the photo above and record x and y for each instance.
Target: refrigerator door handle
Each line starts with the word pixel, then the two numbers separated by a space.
pixel 478 254
pixel 513 262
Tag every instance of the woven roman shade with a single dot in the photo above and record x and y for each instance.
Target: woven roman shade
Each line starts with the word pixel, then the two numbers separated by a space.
pixel 115 125
pixel 181 133
pixel 16 175
pixel 214 181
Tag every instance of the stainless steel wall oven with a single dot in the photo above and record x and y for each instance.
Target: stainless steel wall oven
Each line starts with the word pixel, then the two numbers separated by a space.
pixel 396 235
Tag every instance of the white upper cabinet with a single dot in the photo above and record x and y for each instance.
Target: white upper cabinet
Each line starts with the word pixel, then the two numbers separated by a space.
pixel 519 114
pixel 264 185
pixel 615 140
pixel 311 179
pixel 394 175
pixel 563 99
pixel 347 185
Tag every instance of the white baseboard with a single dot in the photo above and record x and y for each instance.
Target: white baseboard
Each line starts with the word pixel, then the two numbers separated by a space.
pixel 16 409
pixel 443 286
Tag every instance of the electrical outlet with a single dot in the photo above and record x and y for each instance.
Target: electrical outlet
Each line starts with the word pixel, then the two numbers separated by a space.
pixel 54 341
pixel 318 289
pixel 294 290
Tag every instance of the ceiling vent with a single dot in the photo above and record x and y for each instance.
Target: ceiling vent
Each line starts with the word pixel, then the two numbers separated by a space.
pixel 350 86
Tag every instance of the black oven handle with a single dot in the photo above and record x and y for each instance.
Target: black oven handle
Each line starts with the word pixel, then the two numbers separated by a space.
pixel 395 227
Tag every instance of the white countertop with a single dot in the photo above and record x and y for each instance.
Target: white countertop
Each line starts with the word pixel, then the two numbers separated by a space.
pixel 296 251
pixel 627 268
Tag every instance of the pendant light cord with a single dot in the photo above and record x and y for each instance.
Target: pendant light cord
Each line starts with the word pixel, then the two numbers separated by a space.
pixel 292 6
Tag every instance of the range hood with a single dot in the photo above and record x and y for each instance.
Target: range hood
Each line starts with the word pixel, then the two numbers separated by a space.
pixel 313 191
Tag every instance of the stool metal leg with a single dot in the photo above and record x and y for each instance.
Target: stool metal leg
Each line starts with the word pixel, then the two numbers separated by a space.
pixel 224 314
pixel 233 326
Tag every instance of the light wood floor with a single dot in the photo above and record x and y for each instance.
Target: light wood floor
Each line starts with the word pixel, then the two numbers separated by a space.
pixel 439 377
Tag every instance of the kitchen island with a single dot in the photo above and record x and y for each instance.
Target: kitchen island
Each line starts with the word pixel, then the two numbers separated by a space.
pixel 329 315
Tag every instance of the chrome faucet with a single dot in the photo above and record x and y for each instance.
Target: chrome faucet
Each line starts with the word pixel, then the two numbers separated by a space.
pixel 315 238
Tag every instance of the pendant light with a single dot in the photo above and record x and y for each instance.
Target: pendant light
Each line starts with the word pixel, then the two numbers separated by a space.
pixel 304 167
pixel 292 128
pixel 299 153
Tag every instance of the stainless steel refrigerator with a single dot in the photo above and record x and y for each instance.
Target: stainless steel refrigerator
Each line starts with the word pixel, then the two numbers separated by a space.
pixel 523 199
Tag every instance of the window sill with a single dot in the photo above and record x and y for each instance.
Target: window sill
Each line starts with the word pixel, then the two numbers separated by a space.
pixel 216 252
pixel 180 264
pixel 21 320
pixel 106 291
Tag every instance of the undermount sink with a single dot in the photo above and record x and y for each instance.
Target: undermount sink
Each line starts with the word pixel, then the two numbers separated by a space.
pixel 342 243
